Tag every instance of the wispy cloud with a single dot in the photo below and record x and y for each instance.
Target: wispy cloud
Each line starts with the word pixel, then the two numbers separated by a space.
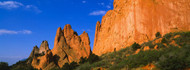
pixel 10 4
pixel 4 31
pixel 32 7
pixel 14 5
pixel 97 13
pixel 108 6
pixel 83 1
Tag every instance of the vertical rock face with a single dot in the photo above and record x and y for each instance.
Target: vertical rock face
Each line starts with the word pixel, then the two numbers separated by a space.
pixel 44 47
pixel 138 21
pixel 42 57
pixel 34 51
pixel 69 47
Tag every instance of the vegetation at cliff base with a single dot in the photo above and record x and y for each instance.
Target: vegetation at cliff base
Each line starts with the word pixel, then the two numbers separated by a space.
pixel 171 53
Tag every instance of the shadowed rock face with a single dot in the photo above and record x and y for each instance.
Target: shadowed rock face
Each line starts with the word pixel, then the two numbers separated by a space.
pixel 68 47
pixel 138 21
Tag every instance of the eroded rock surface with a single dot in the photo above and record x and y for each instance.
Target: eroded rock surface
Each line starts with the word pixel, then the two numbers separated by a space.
pixel 68 47
pixel 138 21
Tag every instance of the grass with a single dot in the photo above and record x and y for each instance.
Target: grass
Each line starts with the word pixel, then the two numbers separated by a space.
pixel 165 58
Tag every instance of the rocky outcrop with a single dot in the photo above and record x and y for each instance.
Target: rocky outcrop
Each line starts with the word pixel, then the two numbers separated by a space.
pixel 42 62
pixel 34 52
pixel 68 47
pixel 41 57
pixel 44 47
pixel 138 21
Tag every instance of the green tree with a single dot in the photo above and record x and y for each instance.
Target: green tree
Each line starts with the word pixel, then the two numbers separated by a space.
pixel 158 35
pixel 70 66
pixel 4 66
pixel 136 46
pixel 83 60
pixel 93 58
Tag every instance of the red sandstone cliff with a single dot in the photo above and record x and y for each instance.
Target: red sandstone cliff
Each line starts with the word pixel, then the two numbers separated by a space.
pixel 138 20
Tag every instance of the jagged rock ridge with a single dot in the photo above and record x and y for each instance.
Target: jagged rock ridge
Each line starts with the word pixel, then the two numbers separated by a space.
pixel 138 21
pixel 68 47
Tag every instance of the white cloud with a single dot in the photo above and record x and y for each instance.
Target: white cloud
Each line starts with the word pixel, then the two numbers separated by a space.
pixel 10 4
pixel 97 13
pixel 32 7
pixel 13 5
pixel 108 6
pixel 4 31
pixel 83 1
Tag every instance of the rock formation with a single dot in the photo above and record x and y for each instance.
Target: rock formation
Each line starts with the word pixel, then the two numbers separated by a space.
pixel 34 52
pixel 68 47
pixel 138 21
pixel 44 47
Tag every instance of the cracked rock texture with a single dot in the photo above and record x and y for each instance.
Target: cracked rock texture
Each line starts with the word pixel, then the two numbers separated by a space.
pixel 138 21
pixel 68 47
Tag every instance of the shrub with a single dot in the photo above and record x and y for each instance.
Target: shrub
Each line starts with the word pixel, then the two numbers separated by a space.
pixel 158 35
pixel 164 40
pixel 171 62
pixel 93 58
pixel 168 36
pixel 4 66
pixel 22 65
pixel 70 66
pixel 160 45
pixel 83 60
pixel 85 66
pixel 136 46
pixel 149 43
pixel 143 58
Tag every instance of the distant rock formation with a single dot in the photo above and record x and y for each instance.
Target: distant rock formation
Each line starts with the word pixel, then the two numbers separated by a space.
pixel 138 21
pixel 68 47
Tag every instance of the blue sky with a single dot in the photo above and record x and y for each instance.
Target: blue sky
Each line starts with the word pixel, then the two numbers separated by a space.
pixel 26 23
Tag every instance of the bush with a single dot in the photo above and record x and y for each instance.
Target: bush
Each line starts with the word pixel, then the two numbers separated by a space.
pixel 149 43
pixel 143 58
pixel 171 62
pixel 22 65
pixel 4 66
pixel 164 40
pixel 70 66
pixel 93 58
pixel 136 46
pixel 85 66
pixel 158 35
pixel 160 45
pixel 83 60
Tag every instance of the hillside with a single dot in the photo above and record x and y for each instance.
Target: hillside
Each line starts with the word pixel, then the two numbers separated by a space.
pixel 170 52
